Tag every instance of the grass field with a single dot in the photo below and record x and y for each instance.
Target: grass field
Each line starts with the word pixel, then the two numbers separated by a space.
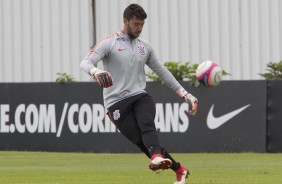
pixel 86 168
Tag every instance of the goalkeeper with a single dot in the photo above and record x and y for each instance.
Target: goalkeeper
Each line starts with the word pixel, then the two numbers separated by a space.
pixel 130 108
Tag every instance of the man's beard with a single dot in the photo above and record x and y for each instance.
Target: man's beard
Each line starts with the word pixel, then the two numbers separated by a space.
pixel 130 34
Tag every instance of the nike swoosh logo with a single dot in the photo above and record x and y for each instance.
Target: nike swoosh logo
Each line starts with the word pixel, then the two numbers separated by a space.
pixel 121 49
pixel 215 122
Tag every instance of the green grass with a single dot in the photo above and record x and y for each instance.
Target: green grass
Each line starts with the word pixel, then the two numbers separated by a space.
pixel 84 168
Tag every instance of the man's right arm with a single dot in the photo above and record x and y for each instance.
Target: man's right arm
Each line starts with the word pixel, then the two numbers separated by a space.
pixel 88 64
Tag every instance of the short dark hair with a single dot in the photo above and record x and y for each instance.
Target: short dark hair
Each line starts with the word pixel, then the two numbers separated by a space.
pixel 134 10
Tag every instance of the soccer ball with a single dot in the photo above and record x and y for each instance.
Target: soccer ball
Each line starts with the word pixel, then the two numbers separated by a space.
pixel 209 73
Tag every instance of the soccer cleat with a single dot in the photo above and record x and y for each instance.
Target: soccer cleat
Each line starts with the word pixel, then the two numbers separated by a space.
pixel 181 174
pixel 159 162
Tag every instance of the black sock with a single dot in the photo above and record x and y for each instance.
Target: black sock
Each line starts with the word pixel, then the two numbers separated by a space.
pixel 144 150
pixel 175 165
pixel 154 149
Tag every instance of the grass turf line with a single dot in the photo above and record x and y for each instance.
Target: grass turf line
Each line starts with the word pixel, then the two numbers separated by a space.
pixel 86 168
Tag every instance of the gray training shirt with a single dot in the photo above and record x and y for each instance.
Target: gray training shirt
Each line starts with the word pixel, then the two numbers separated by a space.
pixel 125 59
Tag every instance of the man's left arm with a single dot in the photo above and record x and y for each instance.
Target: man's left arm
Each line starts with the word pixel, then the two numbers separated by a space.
pixel 170 81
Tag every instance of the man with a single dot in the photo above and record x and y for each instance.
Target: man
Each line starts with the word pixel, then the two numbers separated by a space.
pixel 129 107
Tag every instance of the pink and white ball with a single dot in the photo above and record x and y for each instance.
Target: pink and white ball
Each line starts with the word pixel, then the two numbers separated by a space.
pixel 209 73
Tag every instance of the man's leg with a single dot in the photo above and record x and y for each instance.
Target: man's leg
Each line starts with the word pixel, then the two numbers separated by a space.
pixel 125 116
pixel 127 123
pixel 144 112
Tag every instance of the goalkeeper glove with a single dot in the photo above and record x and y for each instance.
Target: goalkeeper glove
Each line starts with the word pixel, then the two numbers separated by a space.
pixel 102 77
pixel 190 99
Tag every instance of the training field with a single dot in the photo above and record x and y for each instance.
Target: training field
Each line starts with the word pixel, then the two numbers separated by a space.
pixel 84 168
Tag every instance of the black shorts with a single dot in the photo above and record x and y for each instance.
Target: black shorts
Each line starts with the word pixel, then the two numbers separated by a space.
pixel 134 117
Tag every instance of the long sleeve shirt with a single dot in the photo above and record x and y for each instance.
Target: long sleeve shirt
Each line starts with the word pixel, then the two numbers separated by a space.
pixel 125 59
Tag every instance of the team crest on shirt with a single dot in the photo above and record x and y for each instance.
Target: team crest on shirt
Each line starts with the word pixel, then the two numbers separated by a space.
pixel 116 115
pixel 141 50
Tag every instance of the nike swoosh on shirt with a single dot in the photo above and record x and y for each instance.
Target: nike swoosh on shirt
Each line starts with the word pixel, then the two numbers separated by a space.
pixel 121 49
pixel 215 122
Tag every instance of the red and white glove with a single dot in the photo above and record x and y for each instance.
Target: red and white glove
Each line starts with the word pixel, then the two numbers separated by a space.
pixel 190 99
pixel 102 77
